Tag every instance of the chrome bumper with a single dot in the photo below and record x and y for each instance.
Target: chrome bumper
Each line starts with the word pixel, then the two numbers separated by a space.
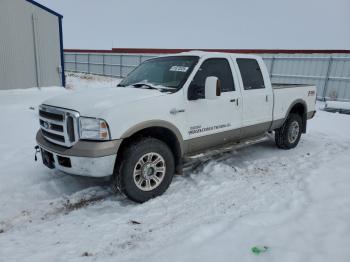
pixel 93 159
pixel 83 166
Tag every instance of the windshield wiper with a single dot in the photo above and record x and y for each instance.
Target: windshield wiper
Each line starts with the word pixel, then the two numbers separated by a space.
pixel 139 85
pixel 150 86
pixel 146 85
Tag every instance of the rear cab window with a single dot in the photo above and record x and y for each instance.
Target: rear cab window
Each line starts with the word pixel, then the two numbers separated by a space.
pixel 251 73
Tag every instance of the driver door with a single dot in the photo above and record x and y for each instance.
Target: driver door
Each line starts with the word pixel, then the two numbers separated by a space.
pixel 213 122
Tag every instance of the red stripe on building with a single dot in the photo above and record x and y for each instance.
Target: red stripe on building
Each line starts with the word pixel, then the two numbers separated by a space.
pixel 174 51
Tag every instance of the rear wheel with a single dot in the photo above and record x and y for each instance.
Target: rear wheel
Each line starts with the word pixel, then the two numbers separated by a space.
pixel 146 170
pixel 288 135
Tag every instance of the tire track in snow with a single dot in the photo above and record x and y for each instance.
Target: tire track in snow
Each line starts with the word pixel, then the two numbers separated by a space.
pixel 287 186
pixel 247 183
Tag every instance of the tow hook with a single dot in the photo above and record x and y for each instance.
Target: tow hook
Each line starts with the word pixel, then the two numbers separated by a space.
pixel 37 150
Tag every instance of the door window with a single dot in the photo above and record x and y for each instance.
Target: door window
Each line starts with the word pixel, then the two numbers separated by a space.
pixel 218 67
pixel 251 74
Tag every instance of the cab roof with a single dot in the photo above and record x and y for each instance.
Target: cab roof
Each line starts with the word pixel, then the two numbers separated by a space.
pixel 206 54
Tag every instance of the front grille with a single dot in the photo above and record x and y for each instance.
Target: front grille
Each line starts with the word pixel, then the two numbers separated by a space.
pixel 53 136
pixel 52 116
pixel 53 126
pixel 70 128
pixel 59 126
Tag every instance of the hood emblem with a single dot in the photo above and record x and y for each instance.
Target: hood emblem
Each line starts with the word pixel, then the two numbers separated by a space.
pixel 46 125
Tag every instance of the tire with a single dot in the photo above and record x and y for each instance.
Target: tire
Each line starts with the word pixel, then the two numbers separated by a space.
pixel 288 135
pixel 146 170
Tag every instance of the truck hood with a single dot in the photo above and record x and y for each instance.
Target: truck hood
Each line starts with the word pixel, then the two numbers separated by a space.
pixel 94 102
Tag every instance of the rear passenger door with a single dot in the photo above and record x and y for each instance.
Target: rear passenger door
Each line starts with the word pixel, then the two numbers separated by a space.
pixel 257 99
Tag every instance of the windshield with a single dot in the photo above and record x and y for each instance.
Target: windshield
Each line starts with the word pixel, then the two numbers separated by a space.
pixel 170 72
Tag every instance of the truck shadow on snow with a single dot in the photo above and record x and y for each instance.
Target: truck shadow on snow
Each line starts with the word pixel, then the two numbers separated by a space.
pixel 71 193
pixel 80 192
pixel 74 192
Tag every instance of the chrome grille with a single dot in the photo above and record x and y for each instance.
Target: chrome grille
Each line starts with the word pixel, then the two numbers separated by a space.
pixel 59 126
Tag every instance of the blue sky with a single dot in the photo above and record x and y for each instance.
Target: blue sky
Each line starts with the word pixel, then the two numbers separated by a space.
pixel 256 24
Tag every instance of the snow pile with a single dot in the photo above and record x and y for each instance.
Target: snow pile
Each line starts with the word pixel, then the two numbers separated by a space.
pixel 83 81
pixel 296 202
pixel 337 106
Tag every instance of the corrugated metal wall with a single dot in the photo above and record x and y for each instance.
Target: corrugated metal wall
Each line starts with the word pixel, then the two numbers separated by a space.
pixel 329 72
pixel 116 65
pixel 29 46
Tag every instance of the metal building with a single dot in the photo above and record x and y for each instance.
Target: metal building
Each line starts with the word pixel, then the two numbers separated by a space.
pixel 31 45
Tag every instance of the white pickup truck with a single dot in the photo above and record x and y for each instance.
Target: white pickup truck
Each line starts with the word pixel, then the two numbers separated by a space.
pixel 166 110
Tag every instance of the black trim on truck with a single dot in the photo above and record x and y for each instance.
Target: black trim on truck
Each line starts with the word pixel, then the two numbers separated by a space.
pixel 311 114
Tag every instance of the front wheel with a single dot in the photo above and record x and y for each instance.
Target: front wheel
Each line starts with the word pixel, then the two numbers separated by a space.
pixel 146 170
pixel 288 135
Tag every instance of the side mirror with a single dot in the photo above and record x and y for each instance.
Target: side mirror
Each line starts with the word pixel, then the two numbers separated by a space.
pixel 195 92
pixel 212 87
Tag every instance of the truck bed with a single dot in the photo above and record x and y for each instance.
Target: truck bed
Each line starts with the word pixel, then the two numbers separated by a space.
pixel 286 94
pixel 281 85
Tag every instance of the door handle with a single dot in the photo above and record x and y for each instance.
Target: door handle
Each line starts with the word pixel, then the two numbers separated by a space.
pixel 234 100
pixel 174 111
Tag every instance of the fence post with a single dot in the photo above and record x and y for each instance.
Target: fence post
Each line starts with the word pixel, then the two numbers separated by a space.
pixel 121 66
pixel 326 80
pixel 103 64
pixel 88 63
pixel 271 67
pixel 75 62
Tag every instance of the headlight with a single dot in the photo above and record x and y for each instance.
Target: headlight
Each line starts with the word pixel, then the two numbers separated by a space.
pixel 93 129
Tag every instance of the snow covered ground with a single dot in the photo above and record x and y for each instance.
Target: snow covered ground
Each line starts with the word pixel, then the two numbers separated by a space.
pixel 337 106
pixel 297 202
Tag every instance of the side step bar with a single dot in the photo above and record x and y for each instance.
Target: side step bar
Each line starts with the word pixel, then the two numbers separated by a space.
pixel 192 162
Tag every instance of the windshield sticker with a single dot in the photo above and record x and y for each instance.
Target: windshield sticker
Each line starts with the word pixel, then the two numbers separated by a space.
pixel 179 69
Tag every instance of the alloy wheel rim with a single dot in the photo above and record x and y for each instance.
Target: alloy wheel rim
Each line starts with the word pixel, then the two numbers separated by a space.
pixel 149 171
pixel 293 132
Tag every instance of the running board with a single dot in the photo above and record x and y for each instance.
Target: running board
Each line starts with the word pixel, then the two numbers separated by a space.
pixel 191 162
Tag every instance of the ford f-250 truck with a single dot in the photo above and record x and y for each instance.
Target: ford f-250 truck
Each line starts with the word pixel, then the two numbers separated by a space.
pixel 165 110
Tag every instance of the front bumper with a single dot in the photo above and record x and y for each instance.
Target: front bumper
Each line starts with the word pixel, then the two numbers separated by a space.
pixel 85 158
